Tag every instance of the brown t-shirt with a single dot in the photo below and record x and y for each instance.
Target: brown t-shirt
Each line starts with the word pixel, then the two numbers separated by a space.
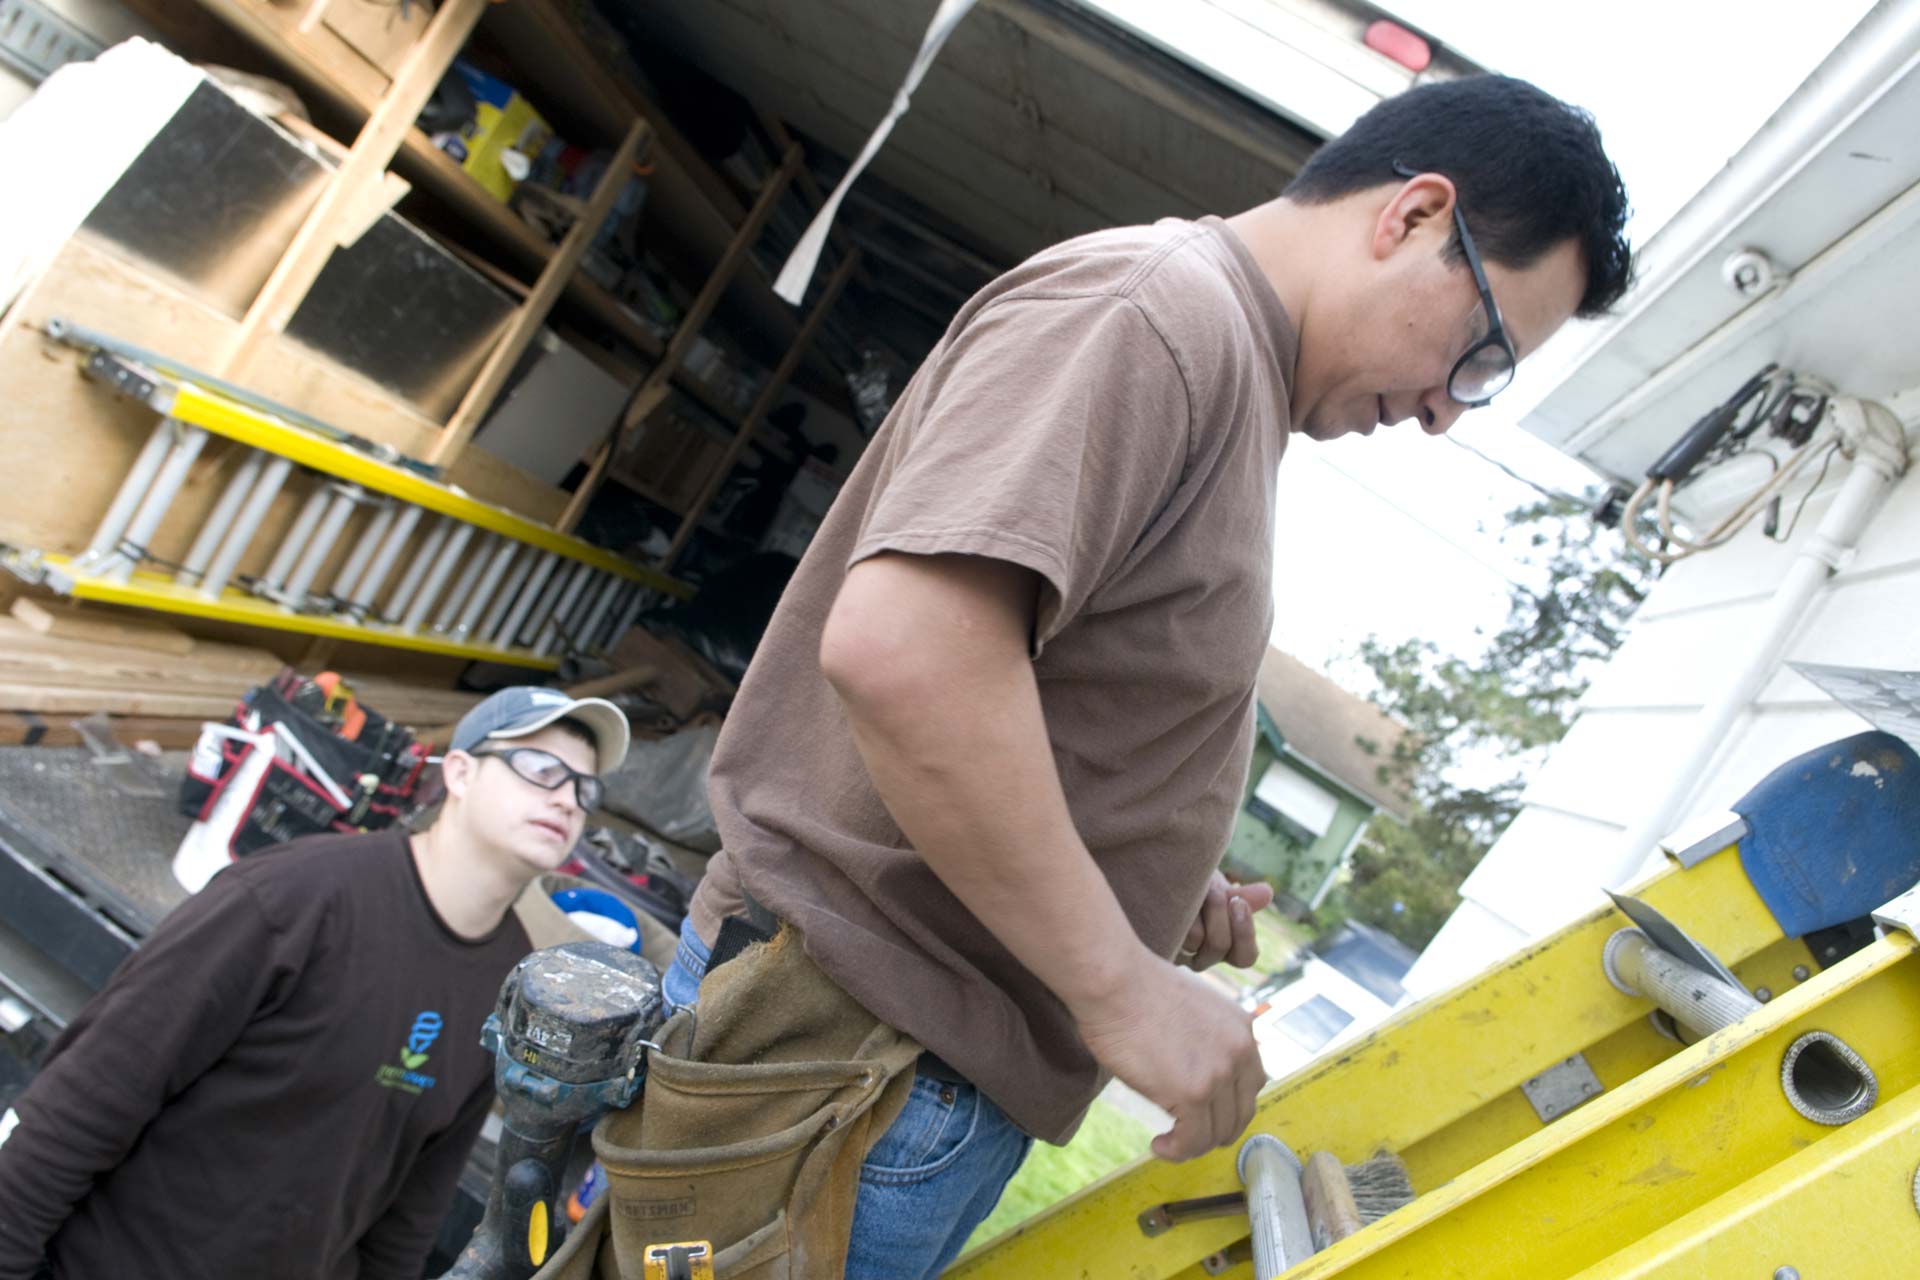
pixel 1110 414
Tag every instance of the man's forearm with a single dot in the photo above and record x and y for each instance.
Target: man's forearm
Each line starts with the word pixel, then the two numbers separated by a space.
pixel 929 656
pixel 947 717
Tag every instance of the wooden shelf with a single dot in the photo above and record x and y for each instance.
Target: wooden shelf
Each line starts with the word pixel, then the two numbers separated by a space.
pixel 637 335
pixel 561 69
pixel 353 86
pixel 456 187
pixel 549 59
pixel 561 74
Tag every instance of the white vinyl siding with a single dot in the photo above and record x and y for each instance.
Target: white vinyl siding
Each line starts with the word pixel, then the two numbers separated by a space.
pixel 1636 718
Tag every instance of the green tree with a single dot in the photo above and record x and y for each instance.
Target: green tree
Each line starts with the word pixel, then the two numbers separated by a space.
pixel 1477 726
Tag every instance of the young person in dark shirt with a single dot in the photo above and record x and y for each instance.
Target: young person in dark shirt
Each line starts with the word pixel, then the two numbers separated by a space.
pixel 286 1078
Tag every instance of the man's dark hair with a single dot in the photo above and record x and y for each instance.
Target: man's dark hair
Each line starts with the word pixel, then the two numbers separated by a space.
pixel 1528 168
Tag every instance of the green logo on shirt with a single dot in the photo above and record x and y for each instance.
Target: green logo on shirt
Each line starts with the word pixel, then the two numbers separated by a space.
pixel 413 1055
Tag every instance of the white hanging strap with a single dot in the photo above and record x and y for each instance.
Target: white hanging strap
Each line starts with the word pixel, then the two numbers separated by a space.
pixel 792 284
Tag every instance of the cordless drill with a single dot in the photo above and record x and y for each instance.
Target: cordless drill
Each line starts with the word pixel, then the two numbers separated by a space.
pixel 569 1039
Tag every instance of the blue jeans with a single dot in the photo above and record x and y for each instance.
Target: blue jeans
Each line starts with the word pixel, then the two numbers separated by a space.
pixel 935 1174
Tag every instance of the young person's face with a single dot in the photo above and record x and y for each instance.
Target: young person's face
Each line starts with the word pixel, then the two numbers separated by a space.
pixel 535 826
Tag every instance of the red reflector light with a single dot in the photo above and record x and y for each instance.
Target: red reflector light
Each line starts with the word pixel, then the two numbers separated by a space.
pixel 1400 44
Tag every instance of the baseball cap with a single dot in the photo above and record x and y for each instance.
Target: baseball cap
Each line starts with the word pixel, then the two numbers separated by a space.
pixel 525 709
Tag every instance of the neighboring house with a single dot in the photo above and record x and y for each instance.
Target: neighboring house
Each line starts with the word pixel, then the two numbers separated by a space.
pixel 1314 785
pixel 1699 705
pixel 1348 985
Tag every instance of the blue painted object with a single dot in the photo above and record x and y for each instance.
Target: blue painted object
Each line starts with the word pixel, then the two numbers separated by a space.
pixel 600 903
pixel 1834 833
pixel 591 1185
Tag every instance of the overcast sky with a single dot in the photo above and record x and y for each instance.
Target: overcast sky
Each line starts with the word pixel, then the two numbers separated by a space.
pixel 1395 534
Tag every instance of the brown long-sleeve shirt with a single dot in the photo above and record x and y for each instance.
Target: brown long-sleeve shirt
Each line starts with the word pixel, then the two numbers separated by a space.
pixel 283 1081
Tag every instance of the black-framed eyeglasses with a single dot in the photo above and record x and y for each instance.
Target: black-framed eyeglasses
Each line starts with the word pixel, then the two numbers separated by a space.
pixel 549 772
pixel 1487 367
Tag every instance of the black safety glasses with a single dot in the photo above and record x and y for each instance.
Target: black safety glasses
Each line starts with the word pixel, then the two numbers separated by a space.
pixel 549 772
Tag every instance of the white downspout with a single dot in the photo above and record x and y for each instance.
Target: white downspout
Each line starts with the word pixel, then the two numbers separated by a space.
pixel 1873 438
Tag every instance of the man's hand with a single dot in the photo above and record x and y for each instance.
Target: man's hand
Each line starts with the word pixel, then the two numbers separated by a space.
pixel 1185 1046
pixel 1224 928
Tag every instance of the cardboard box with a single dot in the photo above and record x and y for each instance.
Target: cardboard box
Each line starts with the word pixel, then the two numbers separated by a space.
pixel 498 147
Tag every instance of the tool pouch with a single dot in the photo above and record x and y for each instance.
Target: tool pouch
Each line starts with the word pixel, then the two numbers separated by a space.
pixel 756 1117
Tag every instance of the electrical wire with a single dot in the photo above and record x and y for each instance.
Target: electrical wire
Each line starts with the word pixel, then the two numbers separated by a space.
pixel 1729 525
pixel 1552 495
pixel 1773 406
pixel 1413 519
pixel 1806 497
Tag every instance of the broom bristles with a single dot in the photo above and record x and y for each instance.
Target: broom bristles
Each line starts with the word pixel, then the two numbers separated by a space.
pixel 1380 1185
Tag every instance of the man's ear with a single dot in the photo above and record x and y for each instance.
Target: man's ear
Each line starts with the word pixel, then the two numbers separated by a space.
pixel 456 773
pixel 1418 207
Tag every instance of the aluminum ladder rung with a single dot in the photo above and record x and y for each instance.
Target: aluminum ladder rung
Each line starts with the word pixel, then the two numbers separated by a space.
pixel 436 580
pixel 463 587
pixel 234 543
pixel 246 474
pixel 272 583
pixel 340 509
pixel 358 599
pixel 504 552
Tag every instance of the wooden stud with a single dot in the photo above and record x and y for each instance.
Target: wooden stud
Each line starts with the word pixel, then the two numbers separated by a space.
pixel 316 11
pixel 318 653
pixel 532 313
pixel 356 221
pixel 635 677
pixel 367 160
pixel 381 31
pixel 715 287
pixel 23 728
pixel 762 405
pixel 650 393
pixel 67 621
pixel 370 204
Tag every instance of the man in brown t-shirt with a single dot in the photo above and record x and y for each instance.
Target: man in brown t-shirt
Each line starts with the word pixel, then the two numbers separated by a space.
pixel 989 753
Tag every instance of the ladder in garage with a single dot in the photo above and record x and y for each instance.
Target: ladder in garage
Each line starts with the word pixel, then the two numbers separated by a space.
pixel 426 567
pixel 429 568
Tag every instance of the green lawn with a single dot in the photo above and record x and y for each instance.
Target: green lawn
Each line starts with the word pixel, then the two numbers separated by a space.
pixel 1108 1139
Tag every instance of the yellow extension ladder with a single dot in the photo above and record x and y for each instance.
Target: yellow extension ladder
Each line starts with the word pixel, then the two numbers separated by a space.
pixel 1555 1132
pixel 428 567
